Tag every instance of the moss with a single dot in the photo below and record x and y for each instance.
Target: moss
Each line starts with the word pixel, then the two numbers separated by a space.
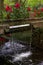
pixel 37 37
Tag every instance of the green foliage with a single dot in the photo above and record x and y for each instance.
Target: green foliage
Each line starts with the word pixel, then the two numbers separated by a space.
pixel 32 3
pixel 8 2
pixel 19 13
pixel 22 11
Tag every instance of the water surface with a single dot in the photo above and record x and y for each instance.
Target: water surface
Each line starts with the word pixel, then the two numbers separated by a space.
pixel 19 54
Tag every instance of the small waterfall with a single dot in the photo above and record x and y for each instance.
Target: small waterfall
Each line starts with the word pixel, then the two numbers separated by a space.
pixel 30 39
pixel 30 44
pixel 21 56
pixel 12 42
pixel 30 47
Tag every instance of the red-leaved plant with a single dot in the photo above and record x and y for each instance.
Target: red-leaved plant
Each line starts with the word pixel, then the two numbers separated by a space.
pixel 17 5
pixel 2 40
pixel 19 11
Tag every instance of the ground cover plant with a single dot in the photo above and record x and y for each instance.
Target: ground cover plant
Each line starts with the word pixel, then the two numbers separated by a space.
pixel 23 9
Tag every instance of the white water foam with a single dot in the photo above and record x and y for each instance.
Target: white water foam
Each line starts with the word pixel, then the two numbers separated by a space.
pixel 20 56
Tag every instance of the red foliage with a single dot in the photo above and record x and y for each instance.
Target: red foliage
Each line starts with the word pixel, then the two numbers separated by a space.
pixel 42 9
pixel 2 39
pixel 34 14
pixel 17 5
pixel 29 9
pixel 8 9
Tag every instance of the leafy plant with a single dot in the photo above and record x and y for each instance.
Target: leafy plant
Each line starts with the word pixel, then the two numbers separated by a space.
pixel 22 9
pixel 16 11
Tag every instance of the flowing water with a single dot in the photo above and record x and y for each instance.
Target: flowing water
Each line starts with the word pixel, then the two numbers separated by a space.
pixel 20 54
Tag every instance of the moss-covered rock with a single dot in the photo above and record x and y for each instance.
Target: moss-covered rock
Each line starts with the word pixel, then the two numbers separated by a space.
pixel 37 37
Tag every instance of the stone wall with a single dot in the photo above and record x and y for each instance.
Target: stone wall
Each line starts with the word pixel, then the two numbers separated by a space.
pixel 3 27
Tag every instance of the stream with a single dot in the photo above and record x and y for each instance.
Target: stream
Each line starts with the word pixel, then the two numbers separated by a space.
pixel 19 54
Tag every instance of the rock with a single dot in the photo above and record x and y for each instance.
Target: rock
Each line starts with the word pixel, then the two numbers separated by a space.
pixel 10 48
